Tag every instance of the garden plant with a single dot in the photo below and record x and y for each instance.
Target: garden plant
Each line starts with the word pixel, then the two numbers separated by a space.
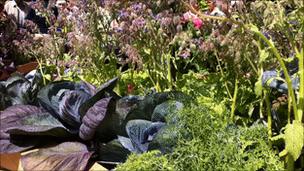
pixel 154 84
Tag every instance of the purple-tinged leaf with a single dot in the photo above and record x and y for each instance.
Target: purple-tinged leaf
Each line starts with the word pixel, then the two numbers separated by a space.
pixel 40 124
pixel 126 143
pixel 65 156
pixel 94 118
pixel 49 96
pixel 101 93
pixel 69 106
pixel 22 122
pixel 12 116
pixel 7 147
pixel 86 87
pixel 63 99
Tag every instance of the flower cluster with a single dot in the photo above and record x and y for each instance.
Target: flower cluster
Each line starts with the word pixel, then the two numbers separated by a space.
pixel 190 17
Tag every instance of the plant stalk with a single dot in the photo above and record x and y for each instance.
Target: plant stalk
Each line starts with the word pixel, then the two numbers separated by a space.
pixel 269 118
pixel 234 99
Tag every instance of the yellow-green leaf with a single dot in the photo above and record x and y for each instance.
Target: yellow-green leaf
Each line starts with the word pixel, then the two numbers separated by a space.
pixel 294 139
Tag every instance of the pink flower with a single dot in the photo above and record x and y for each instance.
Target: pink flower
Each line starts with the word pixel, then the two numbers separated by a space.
pixel 197 23
pixel 188 16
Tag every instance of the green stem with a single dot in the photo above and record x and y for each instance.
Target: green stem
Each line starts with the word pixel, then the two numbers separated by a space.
pixel 234 99
pixel 41 70
pixel 290 163
pixel 285 71
pixel 269 118
pixel 301 91
pixel 168 57
pixel 222 73
pixel 251 64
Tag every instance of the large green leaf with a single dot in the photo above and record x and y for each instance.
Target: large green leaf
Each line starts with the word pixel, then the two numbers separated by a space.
pixel 98 120
pixel 294 139
pixel 101 93
pixel 67 156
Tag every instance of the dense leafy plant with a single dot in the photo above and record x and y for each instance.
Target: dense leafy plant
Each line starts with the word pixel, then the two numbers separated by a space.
pixel 206 142
pixel 268 34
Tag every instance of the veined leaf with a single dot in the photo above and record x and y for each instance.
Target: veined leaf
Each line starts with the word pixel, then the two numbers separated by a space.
pixel 63 99
pixel 101 93
pixel 49 96
pixel 42 124
pixel 65 156
pixel 136 131
pixel 294 139
pixel 96 118
pixel 6 146
pixel 69 106
pixel 10 118
pixel 13 115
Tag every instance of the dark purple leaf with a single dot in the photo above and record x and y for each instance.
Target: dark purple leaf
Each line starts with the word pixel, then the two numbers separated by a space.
pixel 101 93
pixel 69 106
pixel 42 124
pixel 29 120
pixel 86 87
pixel 8 147
pixel 65 156
pixel 94 117
pixel 49 96
pixel 63 99
pixel 12 117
